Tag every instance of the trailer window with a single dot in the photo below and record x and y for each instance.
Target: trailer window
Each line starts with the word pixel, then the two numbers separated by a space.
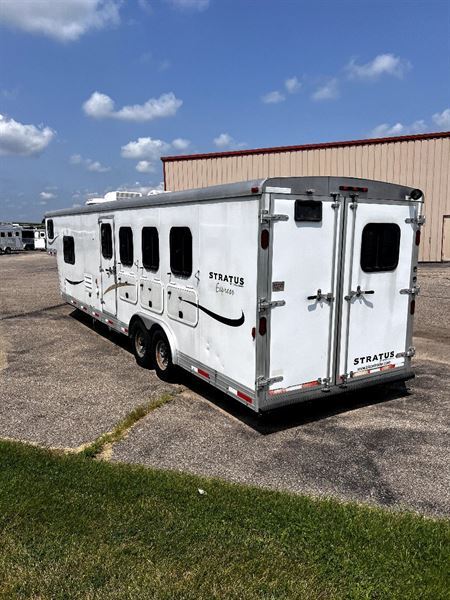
pixel 308 210
pixel 106 240
pixel 69 249
pixel 18 233
pixel 181 251
pixel 150 248
pixel 2 234
pixel 126 246
pixel 50 232
pixel 9 234
pixel 380 247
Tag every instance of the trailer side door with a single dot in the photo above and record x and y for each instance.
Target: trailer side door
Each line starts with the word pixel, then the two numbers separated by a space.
pixel 108 274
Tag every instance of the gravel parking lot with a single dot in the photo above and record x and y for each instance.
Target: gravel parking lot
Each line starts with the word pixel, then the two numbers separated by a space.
pixel 63 384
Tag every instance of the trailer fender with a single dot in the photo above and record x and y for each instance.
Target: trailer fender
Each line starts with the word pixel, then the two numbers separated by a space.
pixel 152 324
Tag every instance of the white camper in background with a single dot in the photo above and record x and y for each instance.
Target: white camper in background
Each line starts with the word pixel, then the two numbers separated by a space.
pixel 274 291
pixel 10 238
pixel 39 239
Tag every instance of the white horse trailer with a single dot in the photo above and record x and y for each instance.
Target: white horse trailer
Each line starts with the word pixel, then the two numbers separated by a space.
pixel 274 291
pixel 10 238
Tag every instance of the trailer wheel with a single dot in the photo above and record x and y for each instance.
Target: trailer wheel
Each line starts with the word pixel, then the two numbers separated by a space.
pixel 7 250
pixel 162 356
pixel 140 343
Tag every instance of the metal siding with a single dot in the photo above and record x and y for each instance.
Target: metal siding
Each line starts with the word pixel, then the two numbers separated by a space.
pixel 422 163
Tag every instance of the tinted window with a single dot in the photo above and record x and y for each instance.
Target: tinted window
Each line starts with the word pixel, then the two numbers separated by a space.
pixel 9 234
pixel 106 240
pixel 150 248
pixel 308 210
pixel 181 251
pixel 69 249
pixel 126 246
pixel 2 234
pixel 380 245
pixel 50 232
pixel 25 236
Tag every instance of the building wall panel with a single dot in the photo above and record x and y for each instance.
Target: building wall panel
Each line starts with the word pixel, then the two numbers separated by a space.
pixel 422 163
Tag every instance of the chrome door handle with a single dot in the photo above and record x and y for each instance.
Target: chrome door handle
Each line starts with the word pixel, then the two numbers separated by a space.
pixel 358 293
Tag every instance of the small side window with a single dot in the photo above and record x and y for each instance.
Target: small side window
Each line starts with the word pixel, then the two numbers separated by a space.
pixel 69 249
pixel 380 247
pixel 106 240
pixel 9 234
pixel 126 246
pixel 181 251
pixel 308 210
pixel 2 234
pixel 150 248
pixel 50 231
pixel 18 233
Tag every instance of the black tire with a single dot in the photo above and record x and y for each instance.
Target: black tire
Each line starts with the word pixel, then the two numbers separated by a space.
pixel 7 250
pixel 162 357
pixel 141 345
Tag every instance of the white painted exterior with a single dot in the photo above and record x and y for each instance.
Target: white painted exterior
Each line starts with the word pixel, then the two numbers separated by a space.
pixel 271 355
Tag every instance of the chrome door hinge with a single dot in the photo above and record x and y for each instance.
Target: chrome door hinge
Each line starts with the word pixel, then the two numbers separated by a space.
pixel 325 382
pixel 263 382
pixel 264 304
pixel 266 217
pixel 413 291
pixel 336 198
pixel 408 354
pixel 354 201
pixel 416 220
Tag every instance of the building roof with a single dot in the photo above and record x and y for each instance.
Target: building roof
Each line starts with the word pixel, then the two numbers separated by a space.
pixel 277 149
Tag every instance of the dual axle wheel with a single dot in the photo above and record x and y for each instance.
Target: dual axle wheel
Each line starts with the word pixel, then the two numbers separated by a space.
pixel 152 351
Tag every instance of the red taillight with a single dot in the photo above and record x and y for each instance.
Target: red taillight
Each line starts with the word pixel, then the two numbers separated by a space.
pixel 253 332
pixel 352 188
pixel 255 190
pixel 264 239
pixel 412 307
pixel 203 373
pixel 417 237
pixel 262 326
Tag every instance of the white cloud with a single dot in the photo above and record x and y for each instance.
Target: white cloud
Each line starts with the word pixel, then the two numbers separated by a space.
pixel 91 165
pixel 145 6
pixel 64 21
pixel 225 140
pixel 292 85
pixel 383 64
pixel 181 144
pixel 145 166
pixel 327 91
pixel 442 119
pixel 189 4
pixel 23 140
pixel 273 97
pixel 386 130
pixel 47 195
pixel 101 106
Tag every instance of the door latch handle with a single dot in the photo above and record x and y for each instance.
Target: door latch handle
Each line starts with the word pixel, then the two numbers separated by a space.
pixel 358 293
pixel 319 296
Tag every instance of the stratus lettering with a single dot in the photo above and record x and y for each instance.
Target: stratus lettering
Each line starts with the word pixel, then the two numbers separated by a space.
pixel 230 279
pixel 373 357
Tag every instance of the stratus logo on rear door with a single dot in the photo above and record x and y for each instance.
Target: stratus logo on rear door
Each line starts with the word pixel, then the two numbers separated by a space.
pixel 370 358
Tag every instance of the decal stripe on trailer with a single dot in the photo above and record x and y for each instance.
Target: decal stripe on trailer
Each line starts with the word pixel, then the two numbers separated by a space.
pixel 292 388
pixel 240 395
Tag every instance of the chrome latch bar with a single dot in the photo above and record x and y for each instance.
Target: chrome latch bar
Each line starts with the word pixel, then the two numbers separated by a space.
pixel 416 220
pixel 358 293
pixel 408 354
pixel 264 304
pixel 263 382
pixel 319 296
pixel 413 291
pixel 266 217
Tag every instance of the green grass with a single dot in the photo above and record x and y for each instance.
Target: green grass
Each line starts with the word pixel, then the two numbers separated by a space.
pixel 77 528
pixel 97 446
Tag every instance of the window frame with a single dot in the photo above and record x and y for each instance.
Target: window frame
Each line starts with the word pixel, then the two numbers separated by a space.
pixel 129 262
pixel 375 248
pixel 153 264
pixel 69 253
pixel 110 253
pixel 50 229
pixel 184 272
pixel 308 204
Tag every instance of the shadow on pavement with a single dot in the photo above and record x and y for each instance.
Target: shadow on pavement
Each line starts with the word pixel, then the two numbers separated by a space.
pixel 275 420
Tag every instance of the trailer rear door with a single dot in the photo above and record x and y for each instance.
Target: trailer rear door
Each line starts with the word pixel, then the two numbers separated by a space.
pixel 377 288
pixel 304 274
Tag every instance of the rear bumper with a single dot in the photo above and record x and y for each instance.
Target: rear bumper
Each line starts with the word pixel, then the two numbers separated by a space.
pixel 296 397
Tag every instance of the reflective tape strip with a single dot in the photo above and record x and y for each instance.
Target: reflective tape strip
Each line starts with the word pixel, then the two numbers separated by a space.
pixel 240 395
pixel 200 372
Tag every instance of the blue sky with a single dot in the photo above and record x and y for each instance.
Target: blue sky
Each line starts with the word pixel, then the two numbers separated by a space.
pixel 93 92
